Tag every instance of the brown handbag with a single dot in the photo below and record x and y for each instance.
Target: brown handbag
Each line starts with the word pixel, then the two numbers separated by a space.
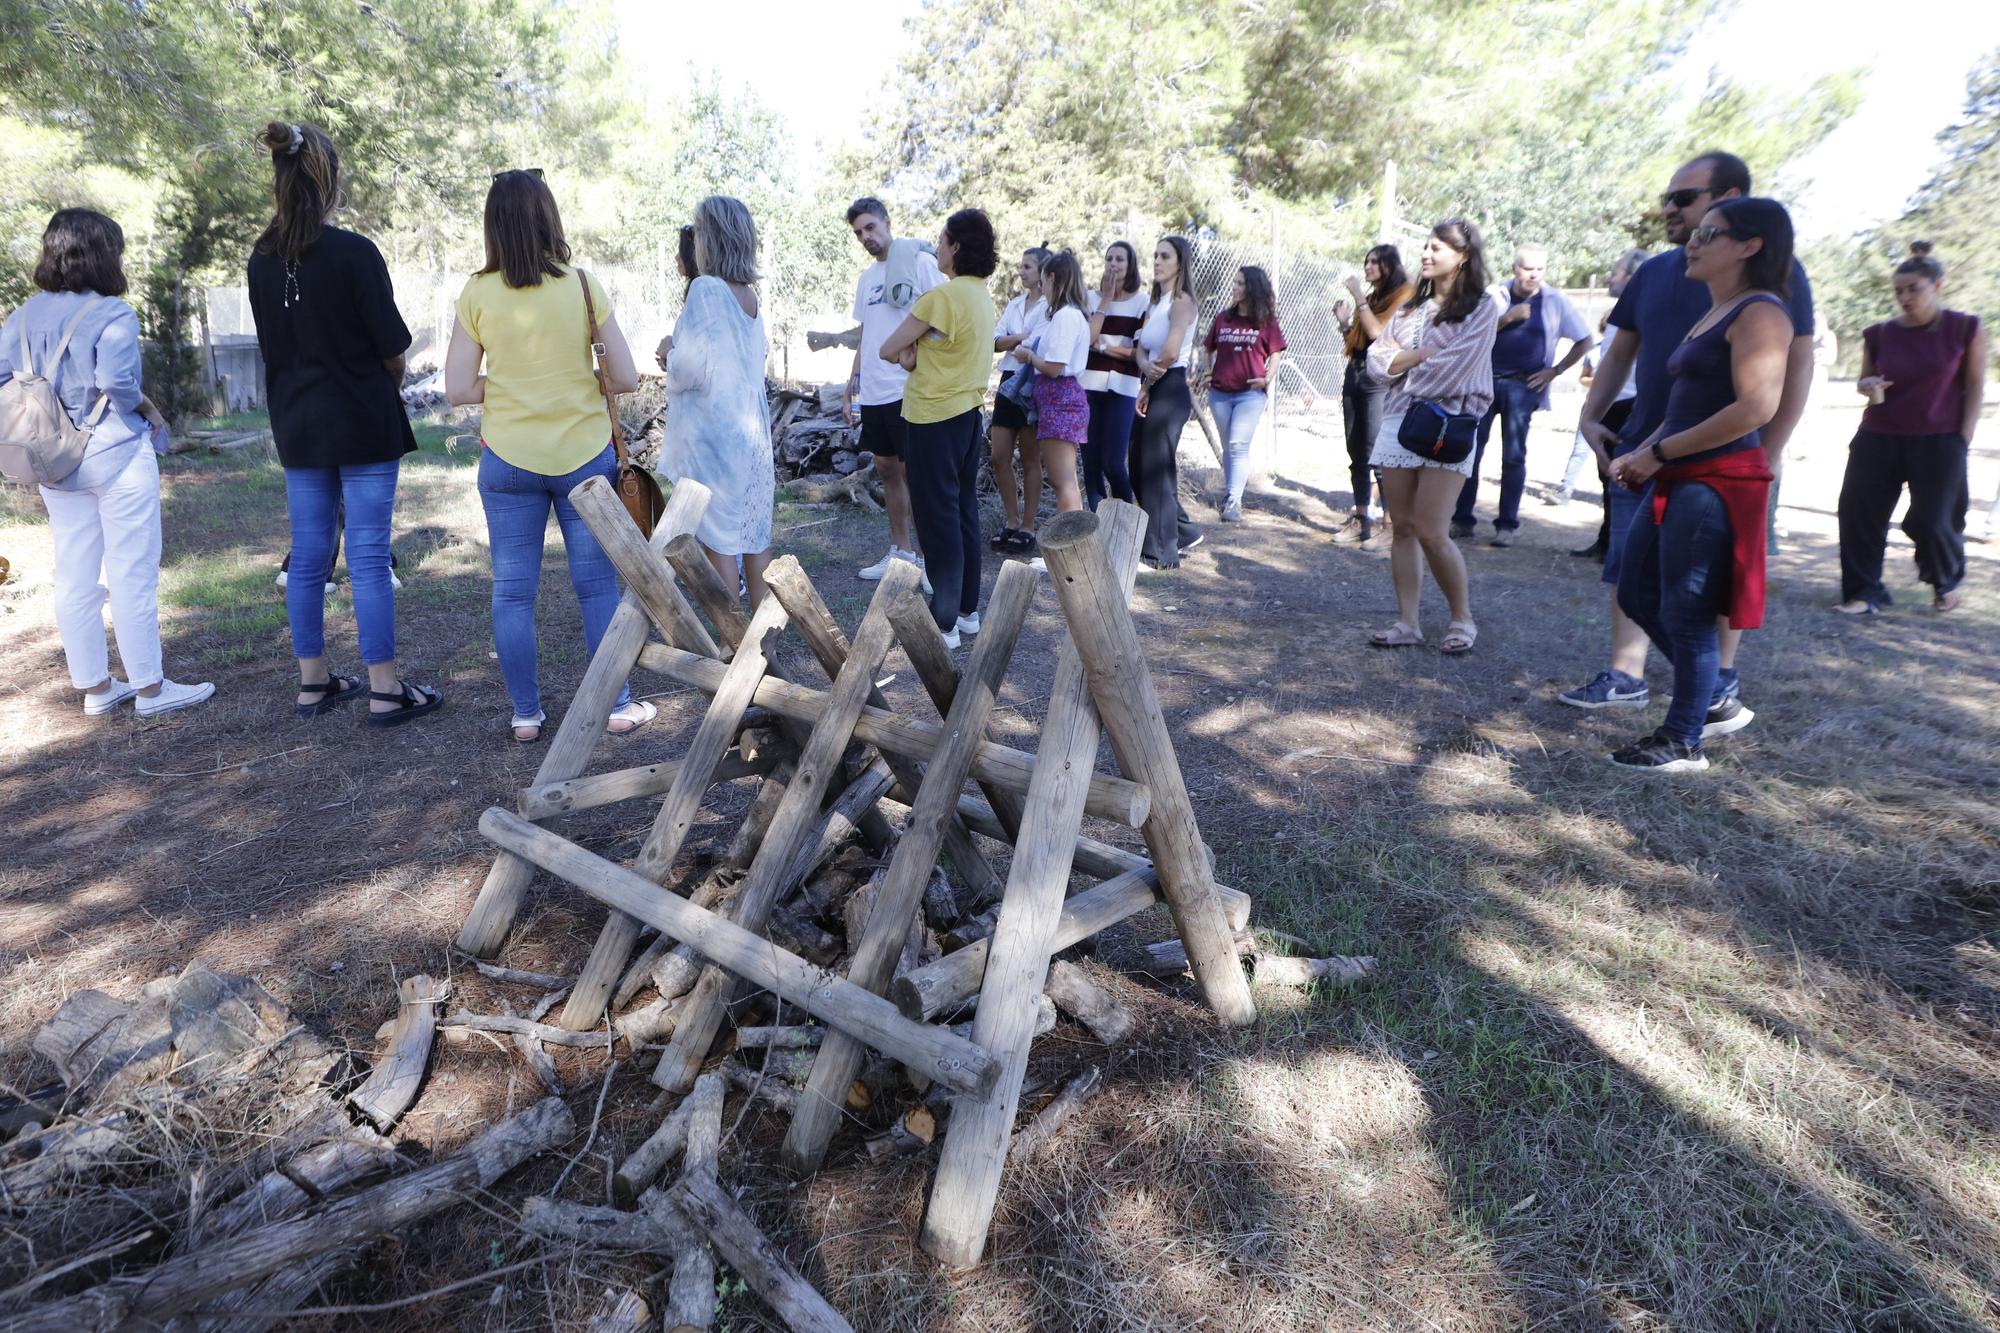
pixel 638 490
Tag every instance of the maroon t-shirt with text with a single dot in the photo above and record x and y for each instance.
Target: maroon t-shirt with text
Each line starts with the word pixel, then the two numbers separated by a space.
pixel 1242 350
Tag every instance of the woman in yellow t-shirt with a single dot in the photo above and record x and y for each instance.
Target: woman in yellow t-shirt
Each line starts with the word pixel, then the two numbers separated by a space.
pixel 543 429
pixel 947 346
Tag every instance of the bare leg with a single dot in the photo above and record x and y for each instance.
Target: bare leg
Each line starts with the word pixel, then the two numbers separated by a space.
pixel 725 565
pixel 753 576
pixel 1628 642
pixel 1000 444
pixel 896 494
pixel 1058 457
pixel 1727 642
pixel 1399 496
pixel 1436 494
pixel 1031 480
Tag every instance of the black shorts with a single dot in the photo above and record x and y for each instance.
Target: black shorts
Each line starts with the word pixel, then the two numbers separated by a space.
pixel 882 431
pixel 1007 414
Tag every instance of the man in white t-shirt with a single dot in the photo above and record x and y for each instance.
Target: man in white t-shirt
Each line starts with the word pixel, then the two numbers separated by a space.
pixel 875 388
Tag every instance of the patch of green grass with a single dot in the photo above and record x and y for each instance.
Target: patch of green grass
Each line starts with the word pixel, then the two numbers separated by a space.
pixel 227 600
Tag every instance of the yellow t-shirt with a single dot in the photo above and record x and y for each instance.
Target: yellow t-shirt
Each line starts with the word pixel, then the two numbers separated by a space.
pixel 543 409
pixel 953 362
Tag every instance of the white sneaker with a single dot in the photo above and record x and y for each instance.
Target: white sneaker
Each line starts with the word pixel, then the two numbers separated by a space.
pixel 395 583
pixel 284 578
pixel 968 624
pixel 875 571
pixel 951 639
pixel 1039 565
pixel 173 696
pixel 923 579
pixel 97 705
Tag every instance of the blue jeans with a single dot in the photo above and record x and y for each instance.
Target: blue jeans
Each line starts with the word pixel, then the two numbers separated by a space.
pixel 314 496
pixel 1514 404
pixel 517 504
pixel 1674 582
pixel 1236 418
pixel 1110 440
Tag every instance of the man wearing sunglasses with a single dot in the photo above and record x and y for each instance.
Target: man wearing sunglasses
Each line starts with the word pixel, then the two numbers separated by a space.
pixel 1659 307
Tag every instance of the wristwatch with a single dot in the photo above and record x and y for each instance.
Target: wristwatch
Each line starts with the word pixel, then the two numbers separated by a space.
pixel 1658 457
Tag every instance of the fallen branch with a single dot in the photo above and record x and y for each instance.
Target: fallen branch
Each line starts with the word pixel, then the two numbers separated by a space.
pixel 1272 970
pixel 1052 1117
pixel 762 1265
pixel 539 1031
pixel 394 1084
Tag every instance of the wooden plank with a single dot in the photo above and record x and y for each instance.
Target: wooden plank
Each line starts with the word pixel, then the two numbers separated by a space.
pixel 548 799
pixel 835 1001
pixel 813 775
pixel 1017 965
pixel 761 1264
pixel 499 900
pixel 675 817
pixel 395 1082
pixel 909 872
pixel 1093 598
pixel 1107 797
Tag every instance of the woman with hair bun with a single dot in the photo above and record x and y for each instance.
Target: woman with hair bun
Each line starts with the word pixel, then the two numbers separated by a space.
pixel 945 343
pixel 333 346
pixel 1924 375
pixel 543 428
pixel 104 517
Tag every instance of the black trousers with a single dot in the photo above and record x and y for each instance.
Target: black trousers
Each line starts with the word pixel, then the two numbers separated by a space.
pixel 1878 467
pixel 1361 412
pixel 941 460
pixel 1156 478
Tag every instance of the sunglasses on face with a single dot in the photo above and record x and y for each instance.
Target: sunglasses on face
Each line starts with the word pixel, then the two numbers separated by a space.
pixel 1703 235
pixel 1681 198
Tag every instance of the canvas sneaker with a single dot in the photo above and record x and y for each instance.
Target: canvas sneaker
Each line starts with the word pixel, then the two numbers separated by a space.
pixel 97 705
pixel 172 696
pixel 874 572
pixel 951 639
pixel 968 624
pixel 1608 689
pixel 1661 753
pixel 1232 511
pixel 1725 715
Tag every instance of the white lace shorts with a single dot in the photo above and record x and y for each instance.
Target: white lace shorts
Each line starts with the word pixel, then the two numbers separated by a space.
pixel 1388 453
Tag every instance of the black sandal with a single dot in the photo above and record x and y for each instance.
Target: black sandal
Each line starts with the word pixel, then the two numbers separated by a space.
pixel 416 700
pixel 1019 542
pixel 1000 541
pixel 335 689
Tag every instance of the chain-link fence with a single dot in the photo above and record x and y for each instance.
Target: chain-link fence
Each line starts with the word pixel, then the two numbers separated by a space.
pixel 1307 288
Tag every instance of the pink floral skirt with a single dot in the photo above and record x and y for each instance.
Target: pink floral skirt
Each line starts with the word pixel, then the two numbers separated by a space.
pixel 1061 410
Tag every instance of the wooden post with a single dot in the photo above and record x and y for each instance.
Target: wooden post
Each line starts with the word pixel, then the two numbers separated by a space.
pixel 923 642
pixel 1017 964
pixel 639 564
pixel 499 900
pixel 909 873
pixel 546 800
pixel 1100 625
pixel 788 582
pixel 676 814
pixel 1106 797
pixel 834 1001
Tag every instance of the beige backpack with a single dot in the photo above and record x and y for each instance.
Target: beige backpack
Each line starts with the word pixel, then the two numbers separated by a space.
pixel 39 444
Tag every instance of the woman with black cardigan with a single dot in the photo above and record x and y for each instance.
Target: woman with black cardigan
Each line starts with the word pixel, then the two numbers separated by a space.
pixel 333 346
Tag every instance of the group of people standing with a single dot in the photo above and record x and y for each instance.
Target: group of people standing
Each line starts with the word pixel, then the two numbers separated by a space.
pixel 1690 405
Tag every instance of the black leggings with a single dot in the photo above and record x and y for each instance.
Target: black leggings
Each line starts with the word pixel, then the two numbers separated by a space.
pixel 1155 474
pixel 1108 446
pixel 1878 467
pixel 941 460
pixel 1361 409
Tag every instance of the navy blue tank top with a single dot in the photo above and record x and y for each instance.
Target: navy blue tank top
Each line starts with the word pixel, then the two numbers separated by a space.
pixel 1701 383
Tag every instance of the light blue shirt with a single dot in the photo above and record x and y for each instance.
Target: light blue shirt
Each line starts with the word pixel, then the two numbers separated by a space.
pixel 1560 320
pixel 102 361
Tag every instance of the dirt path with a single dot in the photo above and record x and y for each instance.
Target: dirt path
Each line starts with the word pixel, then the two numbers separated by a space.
pixel 1700 1054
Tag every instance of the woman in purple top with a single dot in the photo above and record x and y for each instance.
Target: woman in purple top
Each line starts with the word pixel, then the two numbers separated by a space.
pixel 1924 374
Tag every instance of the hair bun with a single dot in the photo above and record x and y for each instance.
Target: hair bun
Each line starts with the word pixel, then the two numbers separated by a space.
pixel 1920 249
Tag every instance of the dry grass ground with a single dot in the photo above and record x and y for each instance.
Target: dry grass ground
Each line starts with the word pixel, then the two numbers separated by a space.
pixel 1714 1053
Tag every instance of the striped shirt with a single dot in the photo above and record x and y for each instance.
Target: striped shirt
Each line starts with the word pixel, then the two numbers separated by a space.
pixel 1122 318
pixel 1458 376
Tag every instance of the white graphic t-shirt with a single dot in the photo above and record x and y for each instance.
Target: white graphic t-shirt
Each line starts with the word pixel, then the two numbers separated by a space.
pixel 882 381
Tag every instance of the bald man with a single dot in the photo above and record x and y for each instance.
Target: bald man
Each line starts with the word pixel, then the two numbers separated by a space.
pixel 1534 319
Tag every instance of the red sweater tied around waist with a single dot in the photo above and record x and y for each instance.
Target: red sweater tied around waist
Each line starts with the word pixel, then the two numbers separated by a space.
pixel 1743 481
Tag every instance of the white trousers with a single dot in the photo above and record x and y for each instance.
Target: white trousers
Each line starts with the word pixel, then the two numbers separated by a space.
pixel 107 536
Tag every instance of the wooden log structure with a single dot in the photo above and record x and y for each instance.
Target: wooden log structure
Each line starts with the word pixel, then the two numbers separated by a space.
pixel 1093 598
pixel 1107 797
pixel 601 510
pixel 813 776
pixel 147 1298
pixel 968 1177
pixel 835 1001
pixel 549 799
pixel 393 1084
pixel 582 725
pixel 901 895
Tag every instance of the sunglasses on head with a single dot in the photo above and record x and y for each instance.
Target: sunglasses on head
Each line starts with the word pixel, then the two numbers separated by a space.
pixel 1681 198
pixel 1703 235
